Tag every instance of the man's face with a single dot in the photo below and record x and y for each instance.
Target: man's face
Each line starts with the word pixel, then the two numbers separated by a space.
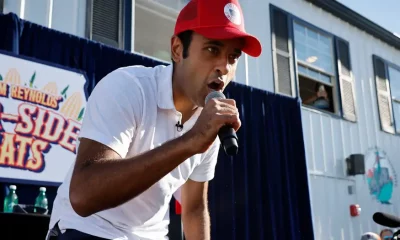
pixel 210 65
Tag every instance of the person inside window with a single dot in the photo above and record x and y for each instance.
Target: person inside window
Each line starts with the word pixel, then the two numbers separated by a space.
pixel 320 99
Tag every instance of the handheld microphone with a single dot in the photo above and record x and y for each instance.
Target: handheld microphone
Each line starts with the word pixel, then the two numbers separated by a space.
pixel 226 134
pixel 386 220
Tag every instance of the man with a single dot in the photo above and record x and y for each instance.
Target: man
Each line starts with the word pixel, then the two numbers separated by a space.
pixel 147 132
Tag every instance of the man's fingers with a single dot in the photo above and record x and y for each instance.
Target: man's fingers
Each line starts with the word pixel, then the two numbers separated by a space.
pixel 231 102
pixel 236 123
pixel 229 119
pixel 226 110
pixel 230 114
pixel 222 106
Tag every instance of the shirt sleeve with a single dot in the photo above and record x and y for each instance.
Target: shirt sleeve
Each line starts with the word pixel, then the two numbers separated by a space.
pixel 112 111
pixel 206 169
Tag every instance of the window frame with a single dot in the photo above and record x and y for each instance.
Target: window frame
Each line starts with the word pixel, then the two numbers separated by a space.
pixel 387 64
pixel 345 102
pixel 332 38
pixel 335 79
pixel 162 11
pixel 290 55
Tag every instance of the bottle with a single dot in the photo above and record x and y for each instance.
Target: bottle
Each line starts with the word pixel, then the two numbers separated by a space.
pixel 11 200
pixel 41 199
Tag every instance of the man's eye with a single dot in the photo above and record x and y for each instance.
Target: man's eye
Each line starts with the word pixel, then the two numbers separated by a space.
pixel 213 50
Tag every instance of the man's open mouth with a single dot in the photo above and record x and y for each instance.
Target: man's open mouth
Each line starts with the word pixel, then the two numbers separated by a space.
pixel 216 85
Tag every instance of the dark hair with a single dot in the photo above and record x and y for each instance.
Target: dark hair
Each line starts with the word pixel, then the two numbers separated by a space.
pixel 186 39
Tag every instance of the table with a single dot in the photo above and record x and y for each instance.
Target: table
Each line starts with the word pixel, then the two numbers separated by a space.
pixel 35 226
pixel 23 226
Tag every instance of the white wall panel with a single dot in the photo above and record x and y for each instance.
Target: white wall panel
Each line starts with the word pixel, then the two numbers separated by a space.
pixel 329 139
pixel 64 15
pixel 70 16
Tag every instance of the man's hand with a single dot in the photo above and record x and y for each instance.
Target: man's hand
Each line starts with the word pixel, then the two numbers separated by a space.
pixel 215 114
pixel 195 216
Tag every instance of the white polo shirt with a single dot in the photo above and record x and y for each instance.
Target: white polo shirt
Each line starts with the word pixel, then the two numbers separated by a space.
pixel 132 111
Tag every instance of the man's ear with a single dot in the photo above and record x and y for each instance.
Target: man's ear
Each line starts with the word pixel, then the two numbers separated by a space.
pixel 176 49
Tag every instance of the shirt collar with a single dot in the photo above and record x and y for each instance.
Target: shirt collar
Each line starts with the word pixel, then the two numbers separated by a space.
pixel 164 90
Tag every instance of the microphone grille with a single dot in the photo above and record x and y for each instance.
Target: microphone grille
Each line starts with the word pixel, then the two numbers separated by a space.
pixel 214 94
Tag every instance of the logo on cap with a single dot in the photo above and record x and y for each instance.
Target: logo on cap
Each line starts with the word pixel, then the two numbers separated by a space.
pixel 232 13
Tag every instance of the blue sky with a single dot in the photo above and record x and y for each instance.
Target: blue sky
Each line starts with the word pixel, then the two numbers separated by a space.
pixel 382 12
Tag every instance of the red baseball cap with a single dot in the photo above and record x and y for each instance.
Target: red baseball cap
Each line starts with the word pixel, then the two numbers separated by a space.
pixel 217 19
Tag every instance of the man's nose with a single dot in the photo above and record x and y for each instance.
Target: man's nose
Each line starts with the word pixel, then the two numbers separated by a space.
pixel 223 66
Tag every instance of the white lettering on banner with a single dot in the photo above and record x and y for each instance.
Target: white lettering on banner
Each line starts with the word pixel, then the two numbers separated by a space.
pixel 39 119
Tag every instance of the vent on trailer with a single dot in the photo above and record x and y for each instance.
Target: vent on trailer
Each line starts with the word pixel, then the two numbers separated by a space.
pixel 105 22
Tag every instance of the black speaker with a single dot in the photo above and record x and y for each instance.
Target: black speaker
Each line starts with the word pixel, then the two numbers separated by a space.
pixel 355 164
